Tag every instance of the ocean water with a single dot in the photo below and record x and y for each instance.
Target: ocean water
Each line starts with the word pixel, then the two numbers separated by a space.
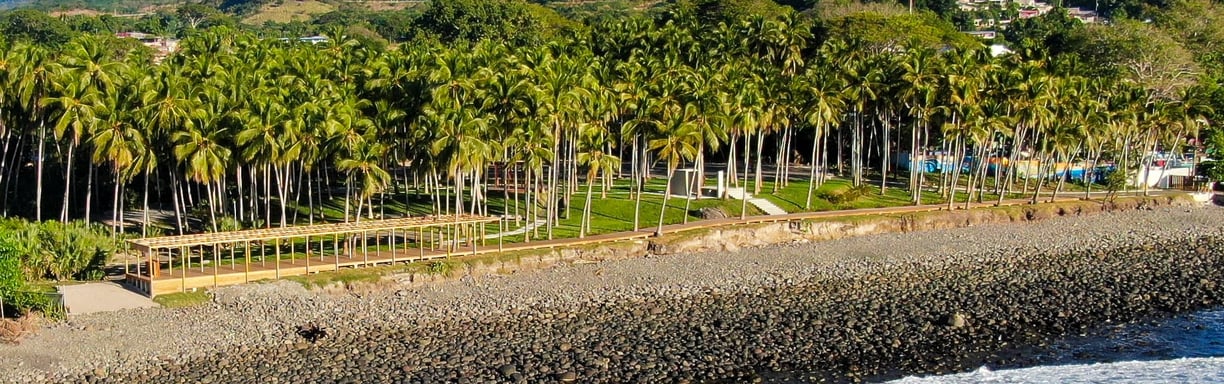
pixel 1182 349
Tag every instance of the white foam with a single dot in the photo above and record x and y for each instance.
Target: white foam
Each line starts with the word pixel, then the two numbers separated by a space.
pixel 1189 370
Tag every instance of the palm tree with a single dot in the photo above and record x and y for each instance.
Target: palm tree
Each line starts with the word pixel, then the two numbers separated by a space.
pixel 560 82
pixel 75 106
pixel 918 90
pixel 167 102
pixel 364 162
pixel 595 137
pixel 33 79
pixel 119 142
pixel 205 157
pixel 265 141
pixel 825 102
pixel 677 141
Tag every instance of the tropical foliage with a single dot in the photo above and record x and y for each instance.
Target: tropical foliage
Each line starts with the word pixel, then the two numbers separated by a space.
pixel 234 128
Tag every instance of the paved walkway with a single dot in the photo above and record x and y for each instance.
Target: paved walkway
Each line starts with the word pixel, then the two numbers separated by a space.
pixel 101 297
pixel 518 231
pixel 764 205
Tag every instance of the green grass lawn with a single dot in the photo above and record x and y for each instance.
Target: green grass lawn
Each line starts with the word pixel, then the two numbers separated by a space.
pixel 613 212
pixel 182 299
pixel 610 212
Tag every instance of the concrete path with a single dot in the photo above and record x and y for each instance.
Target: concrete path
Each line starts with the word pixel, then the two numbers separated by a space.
pixel 519 231
pixel 101 297
pixel 764 205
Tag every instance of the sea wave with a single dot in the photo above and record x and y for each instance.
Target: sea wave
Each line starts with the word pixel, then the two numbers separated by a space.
pixel 1187 370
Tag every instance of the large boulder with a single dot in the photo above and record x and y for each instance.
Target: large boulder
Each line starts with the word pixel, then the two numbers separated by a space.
pixel 710 213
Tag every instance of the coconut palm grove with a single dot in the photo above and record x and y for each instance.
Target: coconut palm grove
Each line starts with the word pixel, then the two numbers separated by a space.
pixel 577 123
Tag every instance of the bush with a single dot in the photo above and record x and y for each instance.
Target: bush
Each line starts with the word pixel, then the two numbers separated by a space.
pixel 58 251
pixel 1213 170
pixel 1115 181
pixel 846 195
pixel 14 293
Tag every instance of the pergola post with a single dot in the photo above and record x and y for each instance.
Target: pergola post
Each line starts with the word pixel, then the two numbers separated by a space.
pixel 154 265
pixel 365 249
pixel 307 254
pixel 246 275
pixel 501 232
pixel 421 240
pixel 392 242
pixel 336 247
pixel 169 255
pixel 216 264
pixel 202 259
pixel 185 257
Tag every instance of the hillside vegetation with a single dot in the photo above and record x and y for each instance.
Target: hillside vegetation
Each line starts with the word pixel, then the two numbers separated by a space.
pixel 287 11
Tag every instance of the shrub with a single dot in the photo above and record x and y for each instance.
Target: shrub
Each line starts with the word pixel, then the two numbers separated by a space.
pixel 439 267
pixel 59 251
pixel 13 290
pixel 1115 181
pixel 1213 170
pixel 847 195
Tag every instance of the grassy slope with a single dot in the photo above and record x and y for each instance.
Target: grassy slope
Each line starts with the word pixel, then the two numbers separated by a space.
pixel 288 10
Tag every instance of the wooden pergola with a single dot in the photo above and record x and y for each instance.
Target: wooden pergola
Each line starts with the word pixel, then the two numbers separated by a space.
pixel 181 263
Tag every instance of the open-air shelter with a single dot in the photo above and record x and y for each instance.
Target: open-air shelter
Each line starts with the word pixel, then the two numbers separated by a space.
pixel 186 262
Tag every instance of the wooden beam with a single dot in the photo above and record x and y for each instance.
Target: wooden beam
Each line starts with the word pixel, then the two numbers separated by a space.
pixel 267 234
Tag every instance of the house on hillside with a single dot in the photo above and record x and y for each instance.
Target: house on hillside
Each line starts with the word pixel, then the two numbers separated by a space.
pixel 162 46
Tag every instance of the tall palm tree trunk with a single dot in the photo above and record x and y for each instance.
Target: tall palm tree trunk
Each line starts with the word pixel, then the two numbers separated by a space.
pixel 67 183
pixel 638 181
pixel 689 182
pixel 586 208
pixel 671 171
pixel 42 145
pixel 144 222
pixel 812 171
pixel 732 177
pixel 744 193
pixel 760 147
pixel 885 151
pixel 90 171
pixel 115 214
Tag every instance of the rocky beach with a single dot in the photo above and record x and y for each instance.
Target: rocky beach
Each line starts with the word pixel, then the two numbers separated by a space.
pixel 863 308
